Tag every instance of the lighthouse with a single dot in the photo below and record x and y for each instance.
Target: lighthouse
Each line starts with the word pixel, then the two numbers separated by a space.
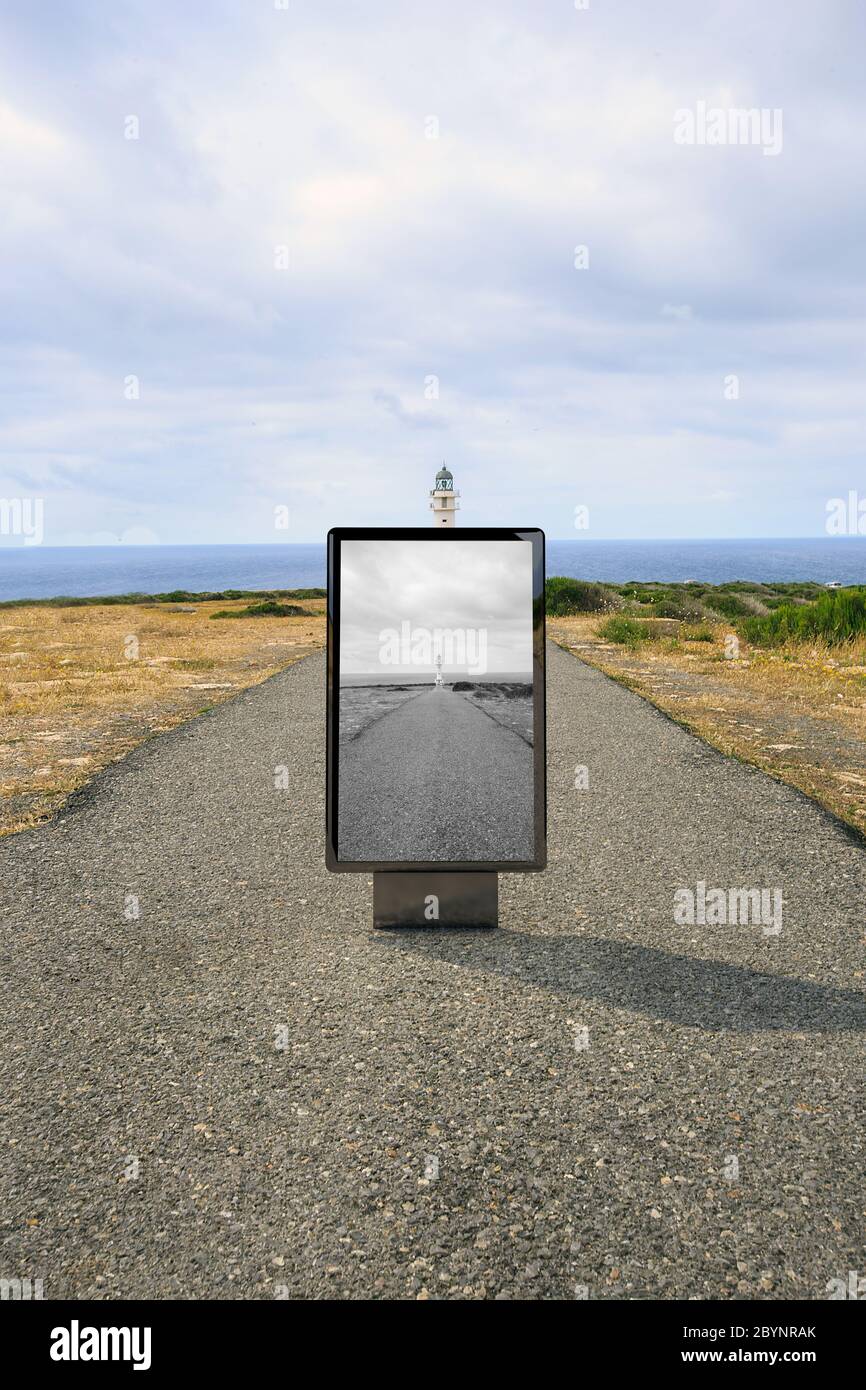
pixel 443 499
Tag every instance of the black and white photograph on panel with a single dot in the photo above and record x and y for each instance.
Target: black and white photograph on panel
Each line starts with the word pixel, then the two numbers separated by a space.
pixel 435 701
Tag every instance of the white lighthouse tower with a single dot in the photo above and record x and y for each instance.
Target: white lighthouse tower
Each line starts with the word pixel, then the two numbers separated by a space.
pixel 443 499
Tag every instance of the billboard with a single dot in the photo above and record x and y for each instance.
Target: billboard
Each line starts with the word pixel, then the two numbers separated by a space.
pixel 435 753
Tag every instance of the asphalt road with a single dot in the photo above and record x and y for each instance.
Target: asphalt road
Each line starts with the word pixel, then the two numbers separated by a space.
pixel 436 778
pixel 246 1092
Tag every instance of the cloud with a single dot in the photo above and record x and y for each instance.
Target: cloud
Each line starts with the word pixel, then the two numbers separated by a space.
pixel 477 586
pixel 300 378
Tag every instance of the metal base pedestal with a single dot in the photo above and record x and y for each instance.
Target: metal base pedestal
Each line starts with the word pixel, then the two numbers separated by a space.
pixel 421 899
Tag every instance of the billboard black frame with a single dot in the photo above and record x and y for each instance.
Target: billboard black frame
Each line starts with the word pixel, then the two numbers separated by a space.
pixel 535 537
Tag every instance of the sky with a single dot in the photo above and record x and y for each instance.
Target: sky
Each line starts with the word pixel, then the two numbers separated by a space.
pixel 402 602
pixel 262 269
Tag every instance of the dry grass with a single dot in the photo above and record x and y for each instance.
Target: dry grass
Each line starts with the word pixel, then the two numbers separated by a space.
pixel 80 687
pixel 76 693
pixel 799 713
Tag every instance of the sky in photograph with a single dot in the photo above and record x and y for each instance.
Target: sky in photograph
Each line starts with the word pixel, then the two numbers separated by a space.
pixel 480 589
pixel 340 248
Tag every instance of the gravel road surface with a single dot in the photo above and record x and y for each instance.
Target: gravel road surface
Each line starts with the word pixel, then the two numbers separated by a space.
pixel 436 778
pixel 216 1080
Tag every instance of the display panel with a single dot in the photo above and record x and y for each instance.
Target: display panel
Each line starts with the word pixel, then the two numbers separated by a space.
pixel 436 699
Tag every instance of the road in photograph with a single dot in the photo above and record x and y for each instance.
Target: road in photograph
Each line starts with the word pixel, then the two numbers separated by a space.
pixel 436 779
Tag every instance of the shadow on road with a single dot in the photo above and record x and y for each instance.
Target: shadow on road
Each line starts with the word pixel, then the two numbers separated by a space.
pixel 708 994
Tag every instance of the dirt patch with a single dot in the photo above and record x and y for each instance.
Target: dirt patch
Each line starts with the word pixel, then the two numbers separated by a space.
pixel 507 702
pixel 363 705
pixel 799 714
pixel 81 687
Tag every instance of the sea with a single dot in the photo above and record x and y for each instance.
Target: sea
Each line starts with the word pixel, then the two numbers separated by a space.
pixel 50 572
pixel 425 677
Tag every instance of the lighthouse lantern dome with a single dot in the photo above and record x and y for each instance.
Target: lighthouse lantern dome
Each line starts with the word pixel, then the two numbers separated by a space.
pixel 443 498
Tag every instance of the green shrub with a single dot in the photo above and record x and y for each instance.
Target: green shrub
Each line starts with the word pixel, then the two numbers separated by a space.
pixel 730 606
pixel 702 633
pixel 684 611
pixel 626 631
pixel 269 609
pixel 176 596
pixel 648 596
pixel 564 596
pixel 834 617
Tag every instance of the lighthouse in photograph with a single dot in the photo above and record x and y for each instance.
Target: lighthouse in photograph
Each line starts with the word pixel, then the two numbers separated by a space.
pixel 443 499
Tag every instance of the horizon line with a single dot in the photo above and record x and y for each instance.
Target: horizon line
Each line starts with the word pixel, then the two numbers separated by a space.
pixel 276 545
